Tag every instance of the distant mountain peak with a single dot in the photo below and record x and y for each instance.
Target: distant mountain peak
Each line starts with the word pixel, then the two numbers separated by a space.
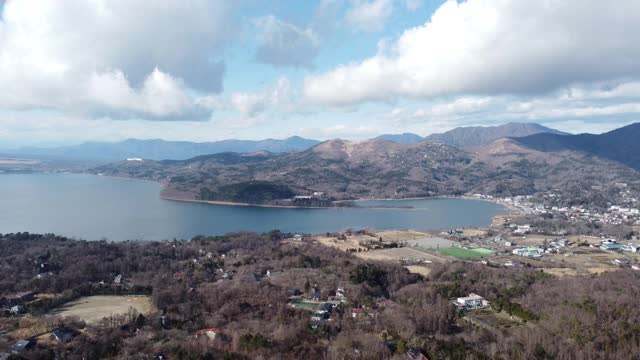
pixel 404 138
pixel 619 145
pixel 481 135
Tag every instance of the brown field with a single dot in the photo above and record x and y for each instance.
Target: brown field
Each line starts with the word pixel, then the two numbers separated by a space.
pixel 561 272
pixel 432 243
pixel 530 240
pixel 491 320
pixel 343 245
pixel 92 309
pixel 399 254
pixel 419 269
pixel 474 232
pixel 401 235
pixel 583 260
pixel 500 220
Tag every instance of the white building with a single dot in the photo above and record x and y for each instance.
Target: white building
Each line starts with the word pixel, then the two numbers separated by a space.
pixel 473 301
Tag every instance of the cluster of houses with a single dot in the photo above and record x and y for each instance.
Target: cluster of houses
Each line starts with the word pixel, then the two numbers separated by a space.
pixel 321 307
pixel 61 334
pixel 614 215
pixel 530 252
pixel 453 232
pixel 14 304
pixel 520 229
pixel 614 245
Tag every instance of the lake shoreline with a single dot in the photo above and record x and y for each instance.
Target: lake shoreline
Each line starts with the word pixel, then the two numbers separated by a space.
pixel 511 210
pixel 271 206
pixel 105 207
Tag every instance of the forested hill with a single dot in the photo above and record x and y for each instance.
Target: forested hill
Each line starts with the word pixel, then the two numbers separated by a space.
pixel 379 169
pixel 621 145
pixel 482 135
pixel 221 282
pixel 157 149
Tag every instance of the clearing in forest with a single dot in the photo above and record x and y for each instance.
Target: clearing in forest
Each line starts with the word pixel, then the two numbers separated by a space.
pixel 92 309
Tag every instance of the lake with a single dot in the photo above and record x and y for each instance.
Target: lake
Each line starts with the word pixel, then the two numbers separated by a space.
pixel 96 207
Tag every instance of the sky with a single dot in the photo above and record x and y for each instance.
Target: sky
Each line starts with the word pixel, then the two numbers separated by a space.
pixel 205 70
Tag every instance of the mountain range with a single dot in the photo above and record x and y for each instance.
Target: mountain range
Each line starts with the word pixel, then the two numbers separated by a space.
pixel 621 145
pixel 181 150
pixel 473 135
pixel 161 149
pixel 376 168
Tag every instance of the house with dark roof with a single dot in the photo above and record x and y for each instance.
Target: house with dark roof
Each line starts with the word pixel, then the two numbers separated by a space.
pixel 415 354
pixel 65 334
pixel 22 345
pixel 16 298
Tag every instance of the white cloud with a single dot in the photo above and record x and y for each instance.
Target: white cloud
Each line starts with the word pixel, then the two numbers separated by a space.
pixel 276 97
pixel 339 131
pixel 284 44
pixel 413 5
pixel 369 15
pixel 112 56
pixel 618 103
pixel 493 47
pixel 605 90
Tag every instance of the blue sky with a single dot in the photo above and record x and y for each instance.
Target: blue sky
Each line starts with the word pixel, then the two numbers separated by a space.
pixel 209 70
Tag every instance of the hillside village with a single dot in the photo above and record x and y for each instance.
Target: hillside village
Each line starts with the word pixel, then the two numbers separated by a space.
pixel 231 295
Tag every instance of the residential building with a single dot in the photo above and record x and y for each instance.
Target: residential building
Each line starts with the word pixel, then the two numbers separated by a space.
pixel 473 301
pixel 532 252
pixel 22 345
pixel 17 310
pixel 210 333
pixel 65 334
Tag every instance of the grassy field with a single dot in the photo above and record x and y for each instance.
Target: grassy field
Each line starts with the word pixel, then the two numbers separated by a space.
pixel 92 309
pixel 304 304
pixel 461 253
pixel 398 254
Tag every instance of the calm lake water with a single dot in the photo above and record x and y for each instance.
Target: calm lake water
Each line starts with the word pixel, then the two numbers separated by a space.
pixel 95 207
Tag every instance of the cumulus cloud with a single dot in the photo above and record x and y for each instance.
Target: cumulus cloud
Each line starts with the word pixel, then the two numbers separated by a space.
pixel 284 44
pixel 369 15
pixel 277 97
pixel 584 104
pixel 493 47
pixel 112 56
pixel 281 43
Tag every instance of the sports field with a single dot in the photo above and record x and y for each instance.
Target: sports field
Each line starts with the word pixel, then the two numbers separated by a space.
pixel 461 253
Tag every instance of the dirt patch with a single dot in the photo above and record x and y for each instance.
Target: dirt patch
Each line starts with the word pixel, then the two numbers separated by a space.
pixel 418 269
pixel 561 272
pixel 474 232
pixel 491 320
pixel 432 243
pixel 92 309
pixel 400 254
pixel 401 235
pixel 343 245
